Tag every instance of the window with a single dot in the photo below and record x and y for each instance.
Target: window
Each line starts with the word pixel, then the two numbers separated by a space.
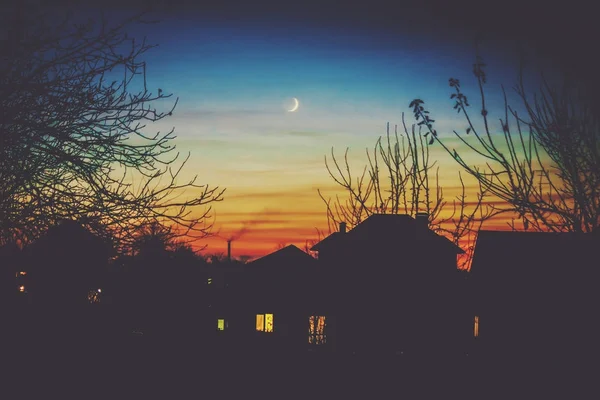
pixel 264 322
pixel 209 281
pixel 221 324
pixel 476 327
pixel 316 330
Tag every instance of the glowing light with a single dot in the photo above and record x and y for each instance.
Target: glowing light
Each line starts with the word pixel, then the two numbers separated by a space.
pixel 209 281
pixel 476 327
pixel 260 322
pixel 296 104
pixel 99 290
pixel 316 330
pixel 21 288
pixel 93 296
pixel 221 324
pixel 21 273
pixel 268 322
pixel 264 322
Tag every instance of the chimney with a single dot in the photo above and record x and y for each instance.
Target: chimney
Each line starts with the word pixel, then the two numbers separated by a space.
pixel 229 250
pixel 342 227
pixel 422 221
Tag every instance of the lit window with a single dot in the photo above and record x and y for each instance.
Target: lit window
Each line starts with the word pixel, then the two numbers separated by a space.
pixel 221 324
pixel 268 322
pixel 22 289
pixel 264 322
pixel 260 322
pixel 316 330
pixel 209 281
pixel 476 327
pixel 21 273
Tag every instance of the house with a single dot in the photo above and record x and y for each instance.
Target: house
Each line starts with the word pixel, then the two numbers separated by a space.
pixel 536 294
pixel 393 286
pixel 67 265
pixel 223 304
pixel 162 293
pixel 281 295
pixel 66 271
pixel 13 279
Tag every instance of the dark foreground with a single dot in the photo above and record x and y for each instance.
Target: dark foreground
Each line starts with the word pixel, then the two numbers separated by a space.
pixel 135 368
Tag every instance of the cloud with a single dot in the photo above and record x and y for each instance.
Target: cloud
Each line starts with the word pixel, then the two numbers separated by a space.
pixel 294 214
pixel 306 133
pixel 228 113
pixel 283 195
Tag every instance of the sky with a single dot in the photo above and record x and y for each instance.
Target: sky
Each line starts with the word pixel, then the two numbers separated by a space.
pixel 236 69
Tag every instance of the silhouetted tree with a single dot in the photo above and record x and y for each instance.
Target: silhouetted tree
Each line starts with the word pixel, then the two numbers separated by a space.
pixel 244 258
pixel 184 253
pixel 309 243
pixel 74 143
pixel 543 164
pixel 400 178
pixel 153 239
pixel 216 258
pixel 162 283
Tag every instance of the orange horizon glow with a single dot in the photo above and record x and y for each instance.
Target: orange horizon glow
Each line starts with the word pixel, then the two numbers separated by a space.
pixel 280 203
pixel 270 229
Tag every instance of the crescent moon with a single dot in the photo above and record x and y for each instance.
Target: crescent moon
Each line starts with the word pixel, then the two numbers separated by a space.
pixel 296 104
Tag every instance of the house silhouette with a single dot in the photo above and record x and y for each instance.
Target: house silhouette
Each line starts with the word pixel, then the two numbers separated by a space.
pixel 66 263
pixel 66 270
pixel 536 295
pixel 393 286
pixel 282 289
pixel 227 324
pixel 10 294
pixel 388 286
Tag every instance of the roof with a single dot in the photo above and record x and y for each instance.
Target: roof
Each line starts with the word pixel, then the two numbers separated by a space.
pixel 388 226
pixel 288 254
pixel 544 248
pixel 334 237
pixel 72 237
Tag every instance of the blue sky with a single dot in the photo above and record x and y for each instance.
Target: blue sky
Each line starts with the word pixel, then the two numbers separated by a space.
pixel 235 79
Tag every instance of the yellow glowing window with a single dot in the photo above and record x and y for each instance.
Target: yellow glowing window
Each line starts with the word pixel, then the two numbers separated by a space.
pixel 220 324
pixel 209 281
pixel 264 322
pixel 476 327
pixel 268 322
pixel 260 322
pixel 21 289
pixel 21 273
pixel 316 330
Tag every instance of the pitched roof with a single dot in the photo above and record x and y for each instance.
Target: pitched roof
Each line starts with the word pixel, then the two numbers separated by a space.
pixel 545 248
pixel 389 226
pixel 334 237
pixel 288 254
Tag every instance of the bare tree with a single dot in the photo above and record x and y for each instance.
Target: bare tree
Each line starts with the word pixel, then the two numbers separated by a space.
pixel 400 178
pixel 309 243
pixel 74 104
pixel 544 165
pixel 154 238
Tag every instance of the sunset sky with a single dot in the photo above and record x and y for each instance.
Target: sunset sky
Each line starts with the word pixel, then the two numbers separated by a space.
pixel 236 73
